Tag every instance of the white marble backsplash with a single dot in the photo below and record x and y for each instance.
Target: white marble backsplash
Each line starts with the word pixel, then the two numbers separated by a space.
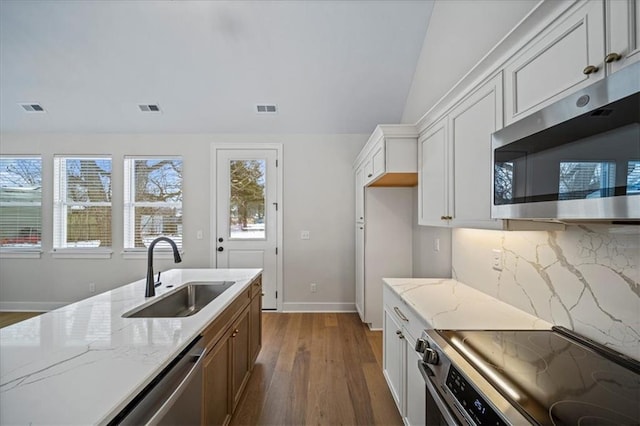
pixel 586 278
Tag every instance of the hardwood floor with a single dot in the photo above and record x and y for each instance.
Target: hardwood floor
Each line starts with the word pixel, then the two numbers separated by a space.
pixel 8 318
pixel 317 369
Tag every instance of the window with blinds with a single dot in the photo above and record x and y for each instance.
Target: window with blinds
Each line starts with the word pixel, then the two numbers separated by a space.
pixel 20 202
pixel 82 202
pixel 152 201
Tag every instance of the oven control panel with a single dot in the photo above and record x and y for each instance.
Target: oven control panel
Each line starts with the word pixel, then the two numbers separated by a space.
pixel 471 401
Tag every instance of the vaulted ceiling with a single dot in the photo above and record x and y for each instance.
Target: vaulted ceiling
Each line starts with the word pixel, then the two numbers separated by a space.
pixel 328 66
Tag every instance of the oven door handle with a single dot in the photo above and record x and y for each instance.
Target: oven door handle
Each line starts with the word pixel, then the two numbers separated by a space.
pixel 445 411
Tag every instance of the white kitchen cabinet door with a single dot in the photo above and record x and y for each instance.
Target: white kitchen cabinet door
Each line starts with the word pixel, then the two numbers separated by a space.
pixel 471 124
pixel 415 404
pixel 393 349
pixel 359 189
pixel 623 33
pixel 360 270
pixel 556 62
pixel 432 176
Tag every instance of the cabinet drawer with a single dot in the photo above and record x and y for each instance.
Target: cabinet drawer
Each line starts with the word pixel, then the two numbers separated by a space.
pixel 256 287
pixel 403 314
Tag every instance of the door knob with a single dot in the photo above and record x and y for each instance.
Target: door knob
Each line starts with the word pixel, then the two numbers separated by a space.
pixel 220 239
pixel 220 248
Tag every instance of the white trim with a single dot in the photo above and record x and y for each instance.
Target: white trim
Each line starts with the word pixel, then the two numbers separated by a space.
pixel 31 306
pixel 74 253
pixel 8 253
pixel 318 307
pixel 279 148
pixel 143 254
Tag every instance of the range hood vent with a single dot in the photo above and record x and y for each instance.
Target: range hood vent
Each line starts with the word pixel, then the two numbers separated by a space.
pixel 32 107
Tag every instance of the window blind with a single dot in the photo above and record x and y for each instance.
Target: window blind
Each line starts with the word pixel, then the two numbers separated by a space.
pixel 20 202
pixel 152 201
pixel 82 202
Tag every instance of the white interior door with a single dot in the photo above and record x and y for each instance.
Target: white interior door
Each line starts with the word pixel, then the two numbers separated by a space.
pixel 246 234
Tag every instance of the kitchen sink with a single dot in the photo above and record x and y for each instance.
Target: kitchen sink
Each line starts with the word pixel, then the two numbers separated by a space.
pixel 182 302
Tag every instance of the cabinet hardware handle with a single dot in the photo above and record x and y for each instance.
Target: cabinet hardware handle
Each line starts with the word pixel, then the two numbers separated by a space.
pixel 449 217
pixel 401 336
pixel 400 314
pixel 443 218
pixel 369 175
pixel 590 69
pixel 398 332
pixel 612 57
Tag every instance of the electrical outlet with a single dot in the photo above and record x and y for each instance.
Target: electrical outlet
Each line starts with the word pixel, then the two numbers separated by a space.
pixel 92 287
pixel 313 287
pixel 199 234
pixel 305 235
pixel 436 244
pixel 497 259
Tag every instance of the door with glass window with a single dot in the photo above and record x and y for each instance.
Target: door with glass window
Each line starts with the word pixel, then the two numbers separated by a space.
pixel 246 216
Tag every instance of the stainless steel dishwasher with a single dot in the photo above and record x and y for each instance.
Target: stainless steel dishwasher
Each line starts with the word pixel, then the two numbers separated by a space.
pixel 172 398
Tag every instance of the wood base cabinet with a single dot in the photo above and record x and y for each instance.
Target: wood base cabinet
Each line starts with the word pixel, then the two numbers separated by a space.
pixel 233 343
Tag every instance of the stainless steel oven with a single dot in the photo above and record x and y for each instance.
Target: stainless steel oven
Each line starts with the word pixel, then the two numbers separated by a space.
pixel 577 159
pixel 520 377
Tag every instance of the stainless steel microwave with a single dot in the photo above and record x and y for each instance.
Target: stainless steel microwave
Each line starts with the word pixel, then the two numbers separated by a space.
pixel 576 159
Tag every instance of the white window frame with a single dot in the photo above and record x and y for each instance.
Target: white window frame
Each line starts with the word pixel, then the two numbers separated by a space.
pixel 34 252
pixel 60 207
pixel 131 252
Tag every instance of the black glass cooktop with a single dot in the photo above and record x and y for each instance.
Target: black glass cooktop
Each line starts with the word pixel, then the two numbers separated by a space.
pixel 553 379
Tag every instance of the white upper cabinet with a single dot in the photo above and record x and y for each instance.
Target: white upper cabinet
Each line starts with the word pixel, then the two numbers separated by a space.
pixel 432 175
pixel 389 158
pixel 590 41
pixel 622 33
pixel 455 162
pixel 359 194
pixel 563 58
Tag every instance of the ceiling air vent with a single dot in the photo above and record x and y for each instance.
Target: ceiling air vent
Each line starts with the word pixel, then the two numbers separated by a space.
pixel 266 109
pixel 149 107
pixel 32 107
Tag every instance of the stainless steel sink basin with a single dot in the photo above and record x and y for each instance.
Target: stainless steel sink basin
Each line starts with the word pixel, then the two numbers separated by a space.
pixel 182 302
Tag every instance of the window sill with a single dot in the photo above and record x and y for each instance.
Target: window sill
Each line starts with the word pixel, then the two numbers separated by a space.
pixel 74 253
pixel 20 254
pixel 142 254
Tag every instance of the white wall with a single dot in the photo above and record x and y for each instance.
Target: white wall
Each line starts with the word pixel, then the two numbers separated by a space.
pixel 318 196
pixel 459 34
pixel 429 260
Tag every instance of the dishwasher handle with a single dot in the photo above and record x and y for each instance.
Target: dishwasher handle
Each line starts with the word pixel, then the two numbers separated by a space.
pixel 174 397
pixel 196 356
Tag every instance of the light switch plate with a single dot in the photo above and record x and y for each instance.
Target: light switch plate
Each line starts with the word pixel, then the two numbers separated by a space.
pixel 305 235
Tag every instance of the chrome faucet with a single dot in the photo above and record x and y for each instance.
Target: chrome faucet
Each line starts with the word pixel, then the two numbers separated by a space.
pixel 151 290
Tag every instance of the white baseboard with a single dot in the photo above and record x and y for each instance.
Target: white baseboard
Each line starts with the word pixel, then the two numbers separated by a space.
pixel 31 306
pixel 318 307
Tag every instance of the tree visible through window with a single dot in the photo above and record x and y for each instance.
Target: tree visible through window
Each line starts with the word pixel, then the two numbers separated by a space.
pixel 153 200
pixel 82 202
pixel 247 199
pixel 20 202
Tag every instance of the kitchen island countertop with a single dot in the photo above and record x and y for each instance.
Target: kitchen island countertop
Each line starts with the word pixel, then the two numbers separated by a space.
pixel 445 303
pixel 82 363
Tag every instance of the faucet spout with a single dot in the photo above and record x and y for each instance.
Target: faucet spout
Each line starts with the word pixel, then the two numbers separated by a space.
pixel 150 288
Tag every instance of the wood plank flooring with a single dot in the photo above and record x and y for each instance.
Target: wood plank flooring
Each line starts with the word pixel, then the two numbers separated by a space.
pixel 317 369
pixel 9 318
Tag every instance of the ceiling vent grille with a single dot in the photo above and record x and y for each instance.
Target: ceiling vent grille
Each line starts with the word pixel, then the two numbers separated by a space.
pixel 149 107
pixel 32 107
pixel 266 109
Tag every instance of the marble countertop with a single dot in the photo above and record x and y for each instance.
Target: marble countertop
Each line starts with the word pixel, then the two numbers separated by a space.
pixel 81 364
pixel 449 304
